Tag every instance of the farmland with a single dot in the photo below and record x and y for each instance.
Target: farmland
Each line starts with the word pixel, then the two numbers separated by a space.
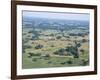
pixel 54 43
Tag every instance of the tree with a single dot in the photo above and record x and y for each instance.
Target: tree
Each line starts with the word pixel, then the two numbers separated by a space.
pixel 30 54
pixel 69 61
pixel 59 52
pixel 77 44
pixel 72 34
pixel 51 34
pixel 52 46
pixel 73 50
pixel 82 50
pixel 84 40
pixel 58 37
pixel 38 46
pixel 56 52
pixel 84 62
pixel 47 55
pixel 30 31
pixel 34 59
pixel 67 36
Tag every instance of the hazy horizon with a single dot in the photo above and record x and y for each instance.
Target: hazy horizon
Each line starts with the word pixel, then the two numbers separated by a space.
pixel 57 15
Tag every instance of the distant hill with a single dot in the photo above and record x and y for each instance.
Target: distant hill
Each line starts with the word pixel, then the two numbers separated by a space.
pixel 45 23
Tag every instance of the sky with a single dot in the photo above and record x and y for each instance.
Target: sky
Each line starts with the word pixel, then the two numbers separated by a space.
pixel 57 15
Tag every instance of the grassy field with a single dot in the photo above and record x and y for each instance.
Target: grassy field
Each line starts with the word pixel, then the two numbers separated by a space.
pixel 44 57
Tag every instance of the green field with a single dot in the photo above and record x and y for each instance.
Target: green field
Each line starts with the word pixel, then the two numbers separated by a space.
pixel 50 50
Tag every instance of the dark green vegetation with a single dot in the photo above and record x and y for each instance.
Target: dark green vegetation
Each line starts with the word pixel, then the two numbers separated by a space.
pixel 55 45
